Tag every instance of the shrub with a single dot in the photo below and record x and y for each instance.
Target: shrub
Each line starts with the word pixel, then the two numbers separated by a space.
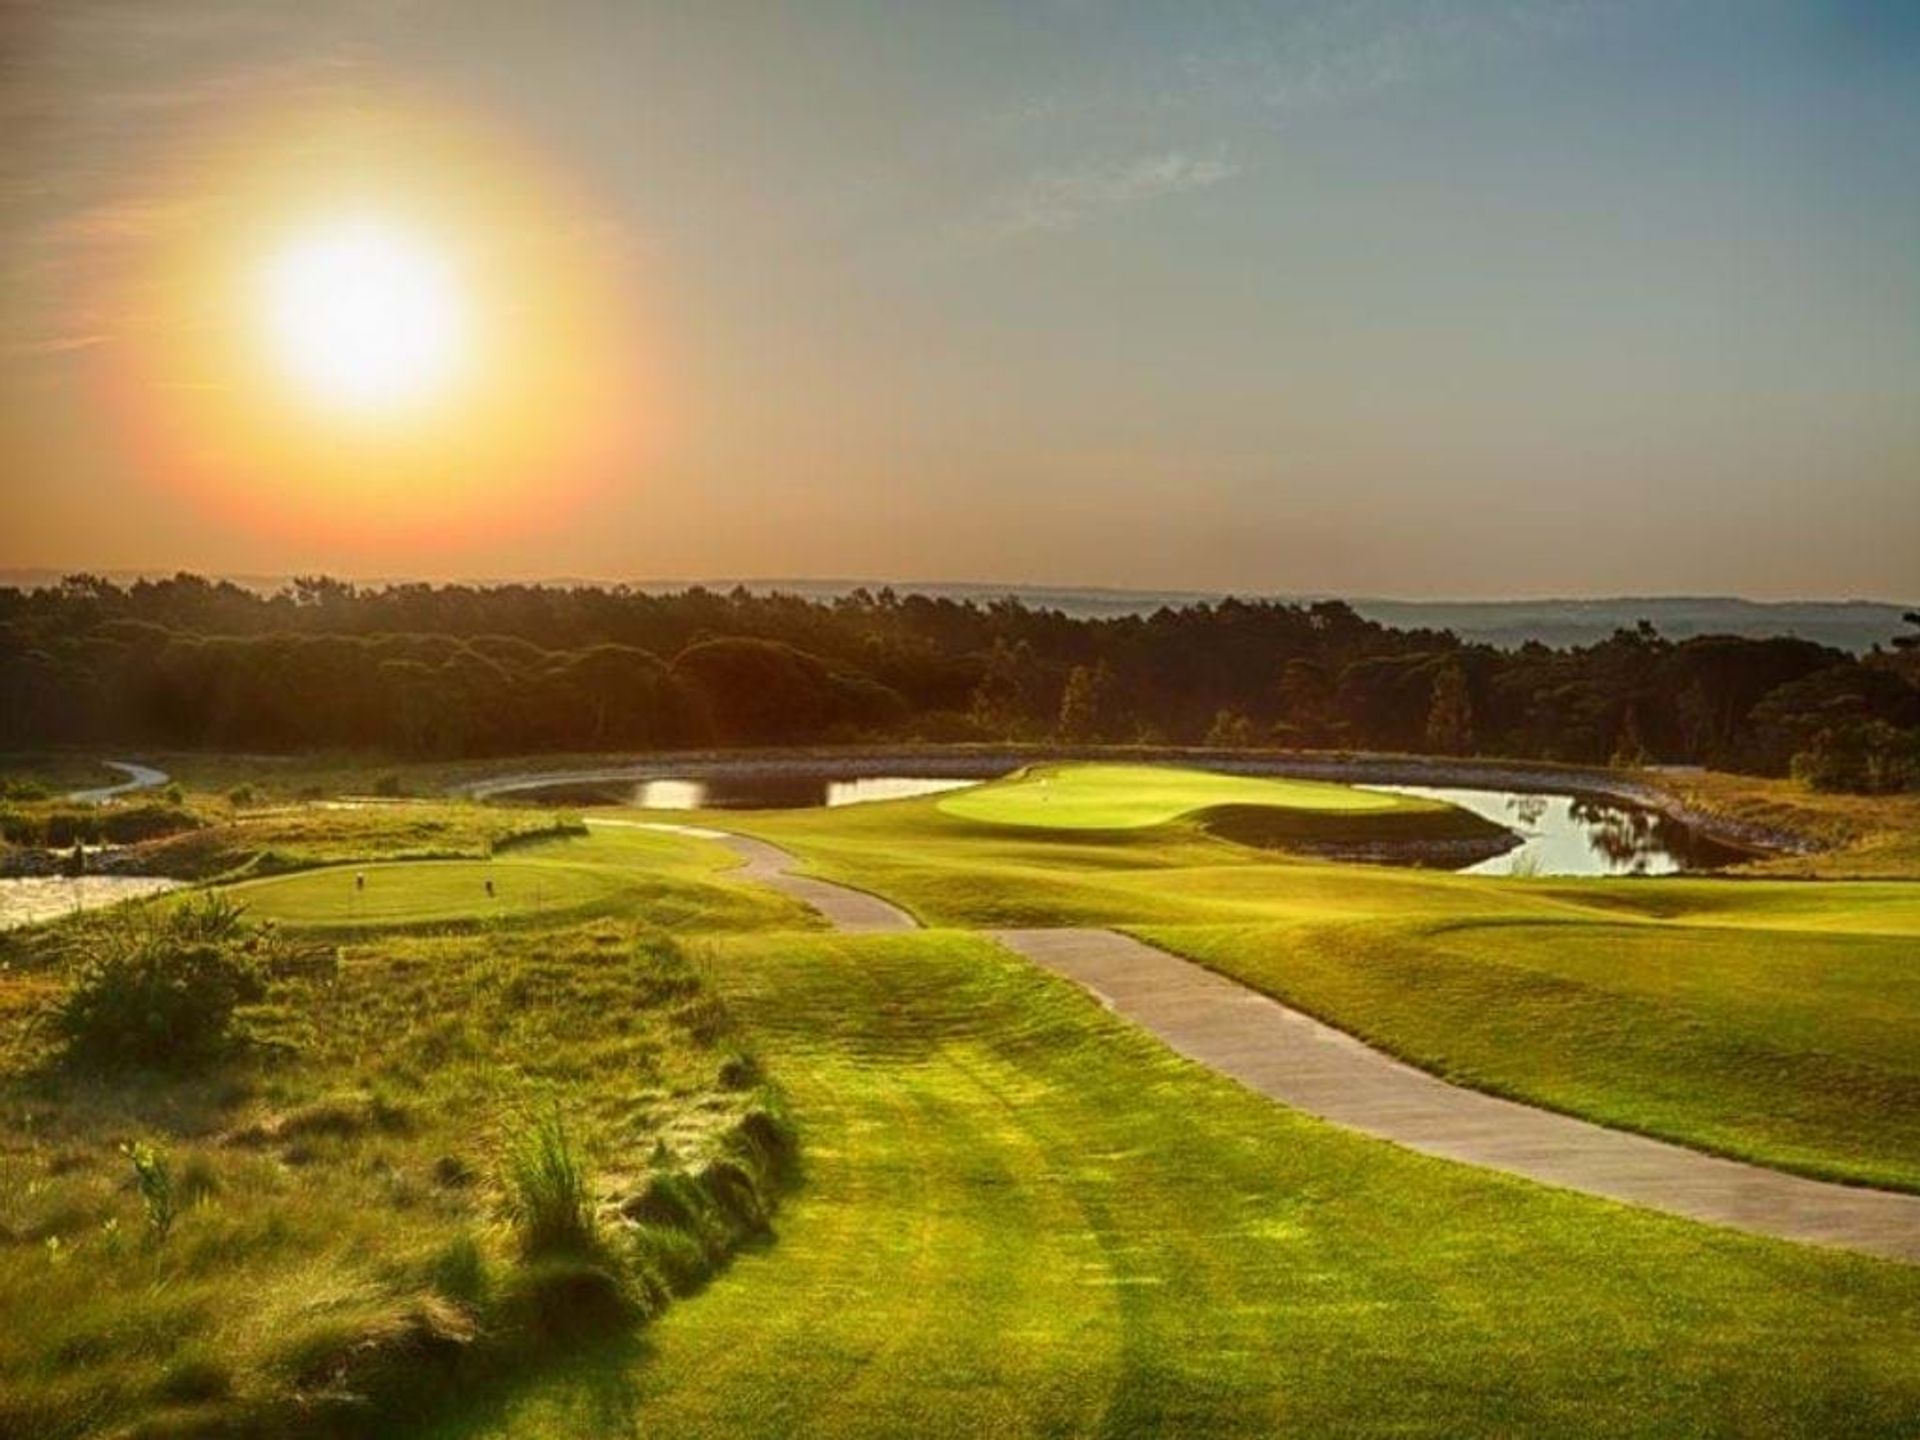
pixel 160 989
pixel 243 795
pixel 1862 757
pixel 549 1195
pixel 60 826
pixel 389 785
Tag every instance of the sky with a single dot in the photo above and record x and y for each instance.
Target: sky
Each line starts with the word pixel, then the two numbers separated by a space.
pixel 1384 297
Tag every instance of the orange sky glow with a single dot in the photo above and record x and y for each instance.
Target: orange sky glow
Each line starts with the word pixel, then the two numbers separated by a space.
pixel 550 397
pixel 1491 298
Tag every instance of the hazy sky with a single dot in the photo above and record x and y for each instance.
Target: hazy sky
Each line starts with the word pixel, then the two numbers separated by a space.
pixel 1385 296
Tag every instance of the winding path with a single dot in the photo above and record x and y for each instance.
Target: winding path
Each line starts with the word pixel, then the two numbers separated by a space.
pixel 139 777
pixel 1314 1068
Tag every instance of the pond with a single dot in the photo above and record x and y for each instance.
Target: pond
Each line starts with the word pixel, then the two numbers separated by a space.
pixel 29 899
pixel 1563 834
pixel 1560 833
pixel 744 790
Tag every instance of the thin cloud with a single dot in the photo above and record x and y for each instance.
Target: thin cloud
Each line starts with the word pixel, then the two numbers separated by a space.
pixel 1060 200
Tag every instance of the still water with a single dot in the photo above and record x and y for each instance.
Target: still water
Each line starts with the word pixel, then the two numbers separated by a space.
pixel 759 790
pixel 29 899
pixel 1560 834
pixel 1581 834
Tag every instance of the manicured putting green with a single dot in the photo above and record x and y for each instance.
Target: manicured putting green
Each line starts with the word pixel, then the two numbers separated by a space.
pixel 426 892
pixel 669 881
pixel 1130 797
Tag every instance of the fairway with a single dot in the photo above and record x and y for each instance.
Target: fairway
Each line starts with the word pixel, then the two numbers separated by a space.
pixel 1773 1021
pixel 1022 1216
pixel 1127 797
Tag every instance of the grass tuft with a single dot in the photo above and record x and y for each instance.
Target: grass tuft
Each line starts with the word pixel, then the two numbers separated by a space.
pixel 549 1195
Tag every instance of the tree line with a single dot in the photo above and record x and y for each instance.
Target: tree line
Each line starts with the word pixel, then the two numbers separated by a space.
pixel 459 670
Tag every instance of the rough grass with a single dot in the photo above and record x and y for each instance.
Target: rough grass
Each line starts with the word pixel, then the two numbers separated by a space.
pixel 1024 1217
pixel 292 837
pixel 339 1246
pixel 1858 836
pixel 49 774
pixel 1409 832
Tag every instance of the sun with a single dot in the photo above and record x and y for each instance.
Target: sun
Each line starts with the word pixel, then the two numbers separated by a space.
pixel 365 315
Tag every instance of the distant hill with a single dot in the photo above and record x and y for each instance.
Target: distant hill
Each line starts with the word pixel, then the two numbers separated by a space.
pixel 1855 625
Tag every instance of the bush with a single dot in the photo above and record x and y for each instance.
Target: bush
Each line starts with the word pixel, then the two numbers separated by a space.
pixel 1861 757
pixel 61 826
pixel 549 1195
pixel 242 795
pixel 159 990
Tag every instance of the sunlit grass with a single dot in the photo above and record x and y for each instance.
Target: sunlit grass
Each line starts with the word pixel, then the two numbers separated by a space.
pixel 1024 1217
pixel 1772 1020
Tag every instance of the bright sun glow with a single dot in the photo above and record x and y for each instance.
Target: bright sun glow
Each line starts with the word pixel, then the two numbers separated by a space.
pixel 364 315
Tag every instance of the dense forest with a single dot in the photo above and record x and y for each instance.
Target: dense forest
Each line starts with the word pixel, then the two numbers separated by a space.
pixel 459 670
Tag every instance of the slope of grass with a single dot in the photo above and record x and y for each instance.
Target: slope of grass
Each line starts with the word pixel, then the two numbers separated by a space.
pixel 235 839
pixel 1023 1217
pixel 1858 836
pixel 1799 1049
pixel 336 1248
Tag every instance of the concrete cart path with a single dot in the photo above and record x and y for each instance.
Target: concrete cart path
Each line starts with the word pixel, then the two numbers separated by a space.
pixel 845 908
pixel 1326 1072
pixel 139 777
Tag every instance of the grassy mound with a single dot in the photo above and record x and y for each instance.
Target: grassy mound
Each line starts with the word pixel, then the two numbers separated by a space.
pixel 1127 797
pixel 669 881
pixel 1420 832
pixel 411 1181
pixel 1308 817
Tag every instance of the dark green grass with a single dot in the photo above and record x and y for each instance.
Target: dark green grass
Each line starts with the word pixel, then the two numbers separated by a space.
pixel 1024 1217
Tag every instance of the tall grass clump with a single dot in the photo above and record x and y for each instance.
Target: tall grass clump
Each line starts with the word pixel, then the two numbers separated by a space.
pixel 549 1192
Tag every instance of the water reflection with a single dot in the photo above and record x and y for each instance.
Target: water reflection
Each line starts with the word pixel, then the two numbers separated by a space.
pixel 1580 834
pixel 768 790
